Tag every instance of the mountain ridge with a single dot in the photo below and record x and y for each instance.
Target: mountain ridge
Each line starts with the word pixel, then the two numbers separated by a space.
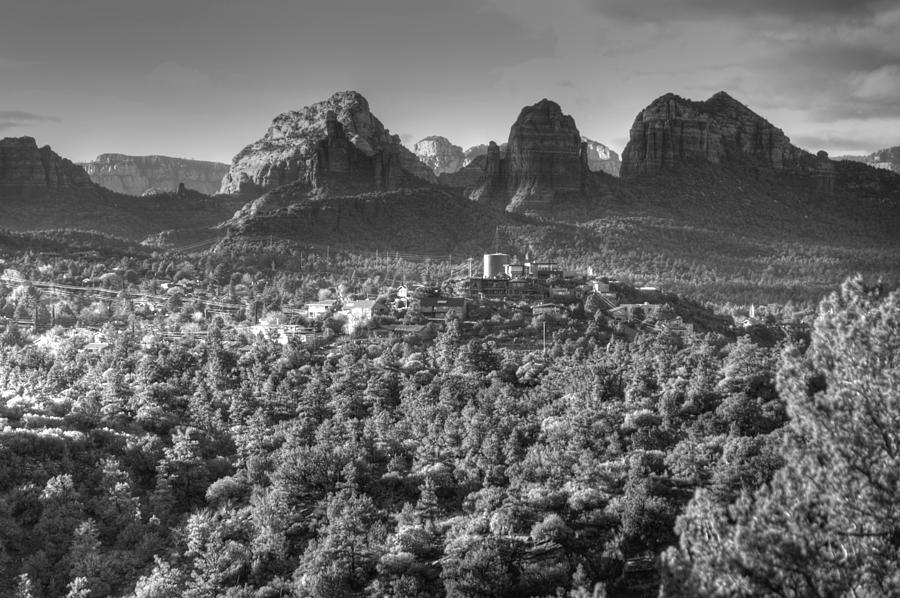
pixel 136 175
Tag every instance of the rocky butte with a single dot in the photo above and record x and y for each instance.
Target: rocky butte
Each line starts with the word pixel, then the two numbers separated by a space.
pixel 545 159
pixel 138 175
pixel 673 132
pixel 441 156
pixel 24 166
pixel 333 146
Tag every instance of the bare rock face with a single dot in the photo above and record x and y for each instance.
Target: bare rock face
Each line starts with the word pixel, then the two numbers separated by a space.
pixel 136 175
pixel 25 166
pixel 439 155
pixel 673 131
pixel 356 145
pixel 602 159
pixel 492 186
pixel 824 173
pixel 476 151
pixel 545 158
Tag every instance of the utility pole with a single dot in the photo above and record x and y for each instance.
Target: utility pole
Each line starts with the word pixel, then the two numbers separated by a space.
pixel 545 337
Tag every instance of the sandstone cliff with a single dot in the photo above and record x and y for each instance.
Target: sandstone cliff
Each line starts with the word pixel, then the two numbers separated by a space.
pixel 545 158
pixel 25 166
pixel 674 131
pixel 136 175
pixel 600 158
pixel 337 141
pixel 439 154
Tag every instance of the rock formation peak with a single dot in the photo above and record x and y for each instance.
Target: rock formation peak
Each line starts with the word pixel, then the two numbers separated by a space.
pixel 439 154
pixel 359 153
pixel 545 157
pixel 24 165
pixel 674 131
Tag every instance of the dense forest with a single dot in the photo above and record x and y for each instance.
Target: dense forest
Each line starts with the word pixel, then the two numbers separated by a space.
pixel 193 458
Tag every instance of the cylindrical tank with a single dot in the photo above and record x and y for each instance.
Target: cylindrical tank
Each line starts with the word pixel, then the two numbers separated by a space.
pixel 494 263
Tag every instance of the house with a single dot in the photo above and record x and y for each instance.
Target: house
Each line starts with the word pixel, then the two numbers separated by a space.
pixel 629 312
pixel 561 292
pixel 320 309
pixel 515 270
pixel 95 347
pixel 401 330
pixel 357 313
pixel 437 308
pixel 600 286
pixel 544 269
pixel 548 308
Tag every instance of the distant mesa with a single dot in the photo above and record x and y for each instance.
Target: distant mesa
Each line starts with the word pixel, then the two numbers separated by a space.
pixel 146 175
pixel 886 159
pixel 601 158
pixel 336 146
pixel 439 154
pixel 545 159
pixel 25 166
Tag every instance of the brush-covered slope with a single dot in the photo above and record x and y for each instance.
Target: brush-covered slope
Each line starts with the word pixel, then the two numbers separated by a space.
pixel 423 220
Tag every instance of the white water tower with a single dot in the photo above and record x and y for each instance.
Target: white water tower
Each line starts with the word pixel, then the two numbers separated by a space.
pixel 494 264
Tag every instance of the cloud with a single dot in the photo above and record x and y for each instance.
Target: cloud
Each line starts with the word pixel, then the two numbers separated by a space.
pixel 879 85
pixel 23 116
pixel 172 74
pixel 10 119
pixel 803 11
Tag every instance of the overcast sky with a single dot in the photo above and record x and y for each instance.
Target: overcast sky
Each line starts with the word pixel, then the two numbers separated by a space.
pixel 202 78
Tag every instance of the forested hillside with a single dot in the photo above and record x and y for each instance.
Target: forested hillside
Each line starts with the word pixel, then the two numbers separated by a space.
pixel 190 457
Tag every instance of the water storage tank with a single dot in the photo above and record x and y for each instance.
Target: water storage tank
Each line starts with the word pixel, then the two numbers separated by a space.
pixel 494 263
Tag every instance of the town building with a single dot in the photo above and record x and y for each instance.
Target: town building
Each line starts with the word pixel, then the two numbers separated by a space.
pixel 320 309
pixel 437 308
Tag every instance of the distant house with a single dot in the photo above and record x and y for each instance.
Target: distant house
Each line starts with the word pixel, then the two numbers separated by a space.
pixel 515 270
pixel 629 312
pixel 437 308
pixel 357 313
pixel 283 333
pixel 544 269
pixel 548 308
pixel 95 347
pixel 320 309
pixel 600 286
pixel 561 292
pixel 389 330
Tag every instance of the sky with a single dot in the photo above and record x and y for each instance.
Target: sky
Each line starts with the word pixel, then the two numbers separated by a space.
pixel 203 78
